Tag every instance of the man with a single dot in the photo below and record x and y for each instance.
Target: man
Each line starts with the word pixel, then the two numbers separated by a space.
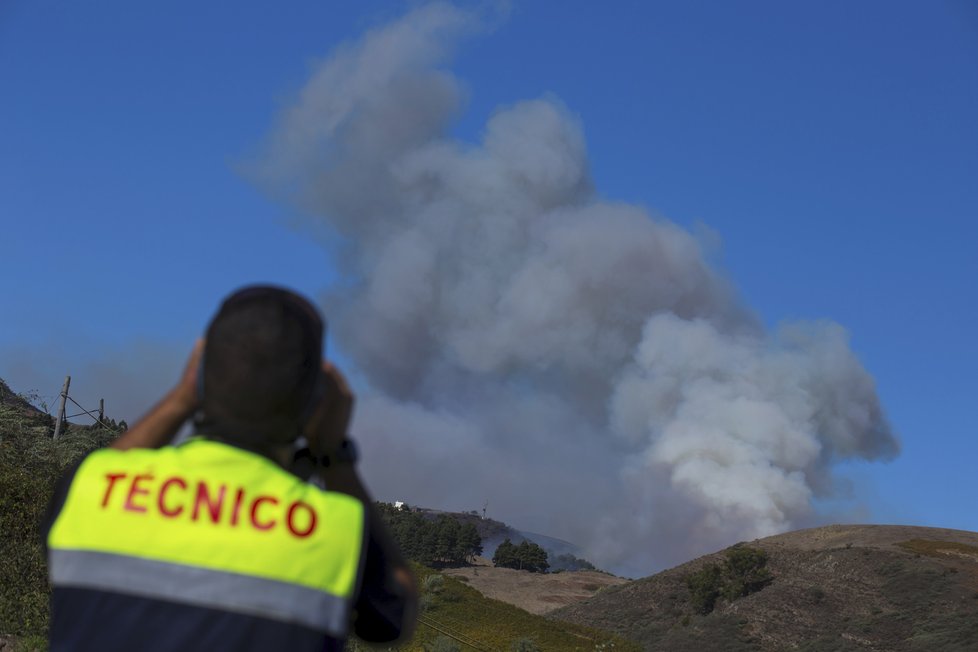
pixel 215 544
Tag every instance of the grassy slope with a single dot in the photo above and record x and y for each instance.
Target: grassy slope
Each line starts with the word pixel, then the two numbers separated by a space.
pixel 886 588
pixel 30 465
pixel 537 593
pixel 457 609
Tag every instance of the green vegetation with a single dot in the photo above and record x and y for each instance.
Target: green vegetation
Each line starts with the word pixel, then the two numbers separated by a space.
pixel 526 556
pixel 742 572
pixel 705 586
pixel 746 572
pixel 442 541
pixel 31 463
pixel 568 562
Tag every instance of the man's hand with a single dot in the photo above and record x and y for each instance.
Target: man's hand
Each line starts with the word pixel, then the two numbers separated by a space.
pixel 327 428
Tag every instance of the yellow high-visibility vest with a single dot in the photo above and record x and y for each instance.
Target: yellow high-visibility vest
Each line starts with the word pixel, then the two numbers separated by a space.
pixel 212 525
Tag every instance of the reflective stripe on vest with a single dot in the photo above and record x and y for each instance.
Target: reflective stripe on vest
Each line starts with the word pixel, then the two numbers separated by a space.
pixel 211 525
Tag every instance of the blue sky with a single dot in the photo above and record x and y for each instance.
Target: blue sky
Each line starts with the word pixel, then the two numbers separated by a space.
pixel 832 148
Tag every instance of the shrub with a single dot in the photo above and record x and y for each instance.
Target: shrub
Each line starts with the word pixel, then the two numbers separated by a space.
pixel 704 588
pixel 433 583
pixel 742 572
pixel 745 572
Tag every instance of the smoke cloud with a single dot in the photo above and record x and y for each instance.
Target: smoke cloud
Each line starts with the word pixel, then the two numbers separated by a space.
pixel 574 361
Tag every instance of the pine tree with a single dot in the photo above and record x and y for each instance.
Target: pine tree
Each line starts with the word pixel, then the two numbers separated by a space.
pixel 505 555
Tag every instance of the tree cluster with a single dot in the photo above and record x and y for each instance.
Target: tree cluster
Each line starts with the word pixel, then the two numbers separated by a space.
pixel 526 556
pixel 743 572
pixel 568 562
pixel 442 541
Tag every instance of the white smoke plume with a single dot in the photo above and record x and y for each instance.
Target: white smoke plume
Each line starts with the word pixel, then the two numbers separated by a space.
pixel 575 361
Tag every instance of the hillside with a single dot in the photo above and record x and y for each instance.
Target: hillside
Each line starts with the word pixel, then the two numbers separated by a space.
pixel 30 464
pixel 451 610
pixel 837 588
pixel 18 404
pixel 538 593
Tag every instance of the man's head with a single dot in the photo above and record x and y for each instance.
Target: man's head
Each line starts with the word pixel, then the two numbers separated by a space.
pixel 261 366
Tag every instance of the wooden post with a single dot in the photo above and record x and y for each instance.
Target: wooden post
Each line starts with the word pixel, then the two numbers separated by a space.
pixel 101 410
pixel 61 409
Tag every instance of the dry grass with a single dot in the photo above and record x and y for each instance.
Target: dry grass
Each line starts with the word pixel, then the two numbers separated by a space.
pixel 940 548
pixel 535 592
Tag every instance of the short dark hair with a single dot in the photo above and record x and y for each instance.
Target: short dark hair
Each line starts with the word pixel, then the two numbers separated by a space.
pixel 260 366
